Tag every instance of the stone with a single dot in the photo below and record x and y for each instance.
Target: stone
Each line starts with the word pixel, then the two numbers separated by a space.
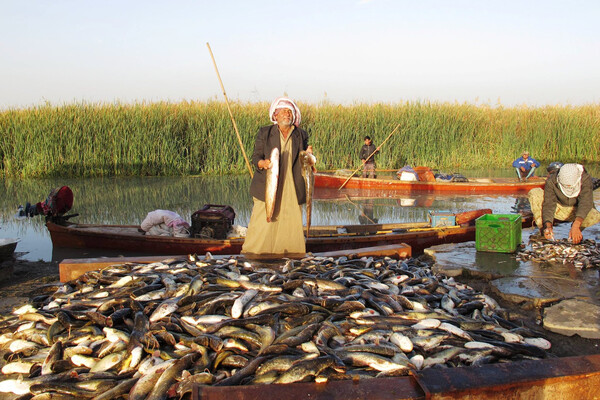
pixel 570 317
pixel 524 289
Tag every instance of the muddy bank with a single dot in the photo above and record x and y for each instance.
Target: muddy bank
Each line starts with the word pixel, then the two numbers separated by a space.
pixel 21 279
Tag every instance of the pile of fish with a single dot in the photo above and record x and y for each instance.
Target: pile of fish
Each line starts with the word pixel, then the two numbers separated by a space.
pixel 156 330
pixel 583 255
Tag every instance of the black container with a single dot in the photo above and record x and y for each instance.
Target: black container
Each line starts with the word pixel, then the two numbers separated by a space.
pixel 212 221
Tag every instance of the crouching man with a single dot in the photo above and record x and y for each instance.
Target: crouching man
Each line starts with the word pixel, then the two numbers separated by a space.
pixel 567 196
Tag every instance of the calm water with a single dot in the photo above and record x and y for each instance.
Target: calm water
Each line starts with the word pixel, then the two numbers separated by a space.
pixel 128 200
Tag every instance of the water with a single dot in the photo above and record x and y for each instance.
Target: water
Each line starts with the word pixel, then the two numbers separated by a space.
pixel 128 200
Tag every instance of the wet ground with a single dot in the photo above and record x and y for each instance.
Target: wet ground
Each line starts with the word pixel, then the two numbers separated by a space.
pixel 561 300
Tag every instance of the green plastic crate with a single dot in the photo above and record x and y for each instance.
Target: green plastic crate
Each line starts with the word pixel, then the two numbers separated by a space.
pixel 499 233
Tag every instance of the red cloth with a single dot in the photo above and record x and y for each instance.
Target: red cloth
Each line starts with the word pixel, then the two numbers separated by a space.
pixel 59 201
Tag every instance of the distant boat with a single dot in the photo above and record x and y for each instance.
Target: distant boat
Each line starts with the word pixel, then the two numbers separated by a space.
pixel 321 238
pixel 389 184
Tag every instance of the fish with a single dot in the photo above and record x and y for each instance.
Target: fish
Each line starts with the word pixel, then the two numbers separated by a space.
pixel 301 370
pixel 377 362
pixel 167 378
pixel 583 255
pixel 227 322
pixel 272 182
pixel 307 160
pixel 117 391
pixel 146 383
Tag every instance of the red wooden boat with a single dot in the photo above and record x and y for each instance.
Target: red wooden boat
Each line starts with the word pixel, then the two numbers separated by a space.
pixel 389 184
pixel 321 238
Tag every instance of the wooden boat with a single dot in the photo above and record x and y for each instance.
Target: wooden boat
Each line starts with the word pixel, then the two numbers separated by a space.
pixel 7 248
pixel 473 186
pixel 321 238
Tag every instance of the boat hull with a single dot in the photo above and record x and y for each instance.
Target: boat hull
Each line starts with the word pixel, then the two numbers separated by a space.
pixel 476 186
pixel 322 239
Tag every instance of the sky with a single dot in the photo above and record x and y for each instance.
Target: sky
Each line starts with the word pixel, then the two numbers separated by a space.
pixel 505 52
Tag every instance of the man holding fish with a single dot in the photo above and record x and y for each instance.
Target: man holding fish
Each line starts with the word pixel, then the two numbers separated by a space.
pixel 567 196
pixel 282 183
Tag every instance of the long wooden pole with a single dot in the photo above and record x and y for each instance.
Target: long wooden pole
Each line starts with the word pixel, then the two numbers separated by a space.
pixel 230 113
pixel 368 158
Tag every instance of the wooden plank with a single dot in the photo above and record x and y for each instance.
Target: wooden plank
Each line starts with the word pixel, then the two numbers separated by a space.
pixel 73 268
pixel 569 378
pixel 400 250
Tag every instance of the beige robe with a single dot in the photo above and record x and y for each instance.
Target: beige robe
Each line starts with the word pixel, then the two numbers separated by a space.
pixel 283 236
pixel 562 213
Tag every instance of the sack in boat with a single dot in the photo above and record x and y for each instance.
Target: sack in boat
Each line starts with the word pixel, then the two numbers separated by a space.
pixel 407 173
pixel 212 221
pixel 165 223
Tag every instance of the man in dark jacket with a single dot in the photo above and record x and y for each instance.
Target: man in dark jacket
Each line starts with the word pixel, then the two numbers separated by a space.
pixel 282 235
pixel 567 196
pixel 367 150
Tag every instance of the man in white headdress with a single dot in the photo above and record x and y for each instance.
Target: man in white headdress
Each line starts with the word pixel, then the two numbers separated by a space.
pixel 567 196
pixel 283 235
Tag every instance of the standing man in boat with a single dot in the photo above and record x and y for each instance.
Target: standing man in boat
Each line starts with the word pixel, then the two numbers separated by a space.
pixel 367 150
pixel 567 196
pixel 282 235
pixel 525 166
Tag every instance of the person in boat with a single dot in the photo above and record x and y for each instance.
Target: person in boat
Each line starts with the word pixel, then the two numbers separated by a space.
pixel 283 235
pixel 367 156
pixel 525 166
pixel 567 196
pixel 58 202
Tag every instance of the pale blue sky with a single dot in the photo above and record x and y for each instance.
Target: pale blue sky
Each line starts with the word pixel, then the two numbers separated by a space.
pixel 481 52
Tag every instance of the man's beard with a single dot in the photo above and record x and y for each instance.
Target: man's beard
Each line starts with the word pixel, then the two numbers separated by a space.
pixel 287 122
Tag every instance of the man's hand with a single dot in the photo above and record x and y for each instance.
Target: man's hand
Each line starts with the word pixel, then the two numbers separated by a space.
pixel 363 161
pixel 523 169
pixel 575 233
pixel 549 232
pixel 309 149
pixel 264 164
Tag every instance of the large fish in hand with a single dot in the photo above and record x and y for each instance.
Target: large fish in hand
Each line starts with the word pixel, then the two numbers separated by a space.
pixel 271 185
pixel 308 161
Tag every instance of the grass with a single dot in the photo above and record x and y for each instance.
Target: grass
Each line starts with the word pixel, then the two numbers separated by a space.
pixel 197 138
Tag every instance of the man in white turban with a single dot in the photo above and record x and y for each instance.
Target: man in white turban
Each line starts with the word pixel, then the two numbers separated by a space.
pixel 567 196
pixel 282 235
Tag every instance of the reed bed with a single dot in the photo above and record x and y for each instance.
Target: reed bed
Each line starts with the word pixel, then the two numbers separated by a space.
pixel 197 138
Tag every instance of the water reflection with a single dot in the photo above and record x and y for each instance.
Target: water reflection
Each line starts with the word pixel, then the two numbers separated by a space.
pixel 521 205
pixel 366 216
pixel 128 201
pixel 496 263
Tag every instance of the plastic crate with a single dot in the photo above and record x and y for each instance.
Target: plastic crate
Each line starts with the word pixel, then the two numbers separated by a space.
pixel 442 218
pixel 499 233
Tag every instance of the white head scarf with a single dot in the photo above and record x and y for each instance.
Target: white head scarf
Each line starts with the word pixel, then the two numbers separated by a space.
pixel 569 179
pixel 284 102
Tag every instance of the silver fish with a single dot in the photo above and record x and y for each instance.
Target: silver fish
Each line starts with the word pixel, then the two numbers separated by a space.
pixel 271 184
pixel 308 161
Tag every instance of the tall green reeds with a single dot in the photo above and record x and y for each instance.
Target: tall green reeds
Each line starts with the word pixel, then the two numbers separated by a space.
pixel 192 138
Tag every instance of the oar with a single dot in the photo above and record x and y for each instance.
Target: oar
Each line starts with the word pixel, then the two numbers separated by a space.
pixel 371 155
pixel 230 113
